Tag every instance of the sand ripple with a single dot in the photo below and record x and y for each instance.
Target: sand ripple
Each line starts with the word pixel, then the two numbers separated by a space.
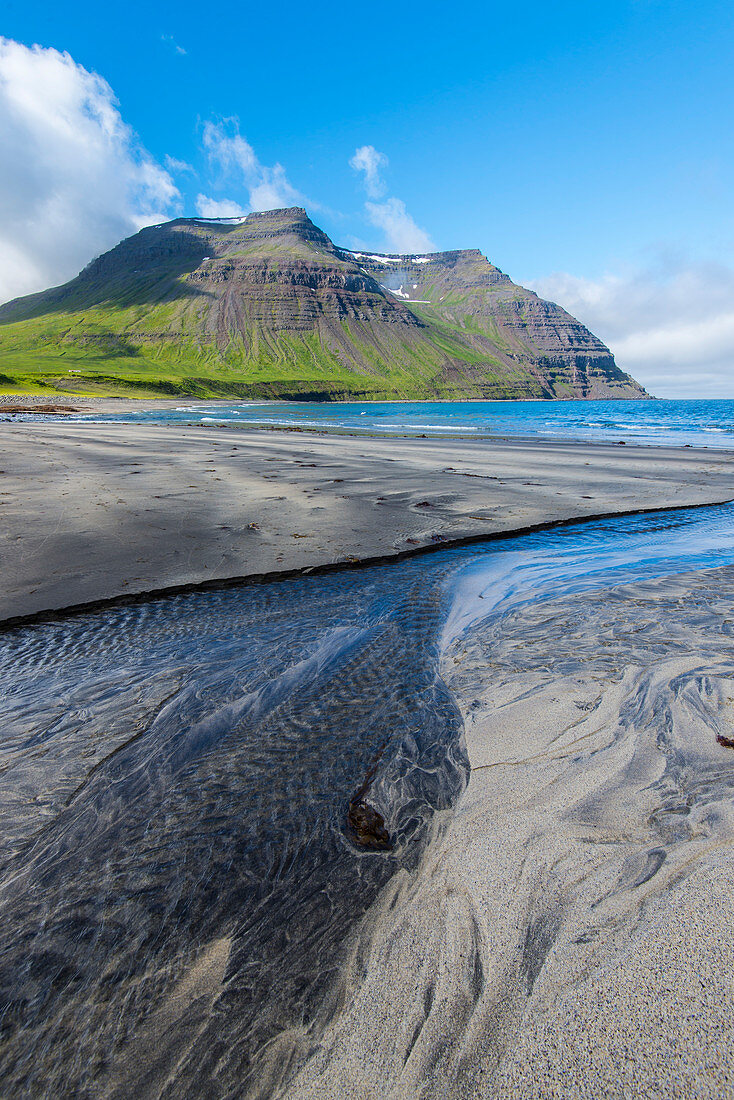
pixel 182 899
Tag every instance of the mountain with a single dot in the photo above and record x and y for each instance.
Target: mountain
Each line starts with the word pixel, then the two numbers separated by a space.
pixel 268 306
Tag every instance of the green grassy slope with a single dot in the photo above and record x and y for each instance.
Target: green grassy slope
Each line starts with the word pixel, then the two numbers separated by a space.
pixel 270 308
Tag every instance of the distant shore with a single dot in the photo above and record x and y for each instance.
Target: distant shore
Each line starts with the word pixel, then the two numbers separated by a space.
pixel 91 512
pixel 69 397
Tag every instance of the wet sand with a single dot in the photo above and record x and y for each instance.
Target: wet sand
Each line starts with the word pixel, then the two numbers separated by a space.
pixel 570 932
pixel 89 512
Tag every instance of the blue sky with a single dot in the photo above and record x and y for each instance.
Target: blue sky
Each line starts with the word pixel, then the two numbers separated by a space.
pixel 586 149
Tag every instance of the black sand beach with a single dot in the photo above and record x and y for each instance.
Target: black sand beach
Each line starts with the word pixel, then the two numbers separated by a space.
pixel 189 906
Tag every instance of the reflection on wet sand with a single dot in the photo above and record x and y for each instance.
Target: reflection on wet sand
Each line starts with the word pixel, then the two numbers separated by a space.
pixel 176 778
pixel 570 933
pixel 204 795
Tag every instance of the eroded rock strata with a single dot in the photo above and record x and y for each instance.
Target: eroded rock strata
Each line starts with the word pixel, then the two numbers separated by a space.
pixel 268 306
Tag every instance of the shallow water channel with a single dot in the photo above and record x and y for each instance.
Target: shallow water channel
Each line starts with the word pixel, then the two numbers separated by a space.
pixel 231 776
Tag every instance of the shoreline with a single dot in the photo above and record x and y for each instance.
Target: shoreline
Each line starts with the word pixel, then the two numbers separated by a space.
pixel 563 879
pixel 127 599
pixel 124 407
pixel 93 513
pixel 46 396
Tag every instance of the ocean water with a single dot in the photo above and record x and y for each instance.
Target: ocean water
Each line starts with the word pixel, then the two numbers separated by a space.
pixel 177 780
pixel 705 423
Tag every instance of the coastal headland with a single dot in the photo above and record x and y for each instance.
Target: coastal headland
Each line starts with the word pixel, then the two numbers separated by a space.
pixel 91 512
pixel 268 306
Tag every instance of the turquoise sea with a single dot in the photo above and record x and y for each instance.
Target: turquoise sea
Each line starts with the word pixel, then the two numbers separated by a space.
pixel 707 423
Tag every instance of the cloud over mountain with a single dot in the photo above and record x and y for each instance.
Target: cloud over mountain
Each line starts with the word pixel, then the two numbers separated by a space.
pixel 218 208
pixel 368 160
pixel 228 151
pixel 75 177
pixel 401 234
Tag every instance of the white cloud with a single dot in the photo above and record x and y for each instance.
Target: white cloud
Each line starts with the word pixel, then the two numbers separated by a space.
pixel 215 208
pixel 273 190
pixel 401 234
pixel 367 159
pixel 229 151
pixel 268 187
pixel 75 178
pixel 175 165
pixel 671 325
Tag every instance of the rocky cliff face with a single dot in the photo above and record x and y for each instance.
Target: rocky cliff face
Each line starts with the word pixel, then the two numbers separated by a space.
pixel 269 306
pixel 514 327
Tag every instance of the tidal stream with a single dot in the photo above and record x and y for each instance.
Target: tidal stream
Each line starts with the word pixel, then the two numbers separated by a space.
pixel 202 794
